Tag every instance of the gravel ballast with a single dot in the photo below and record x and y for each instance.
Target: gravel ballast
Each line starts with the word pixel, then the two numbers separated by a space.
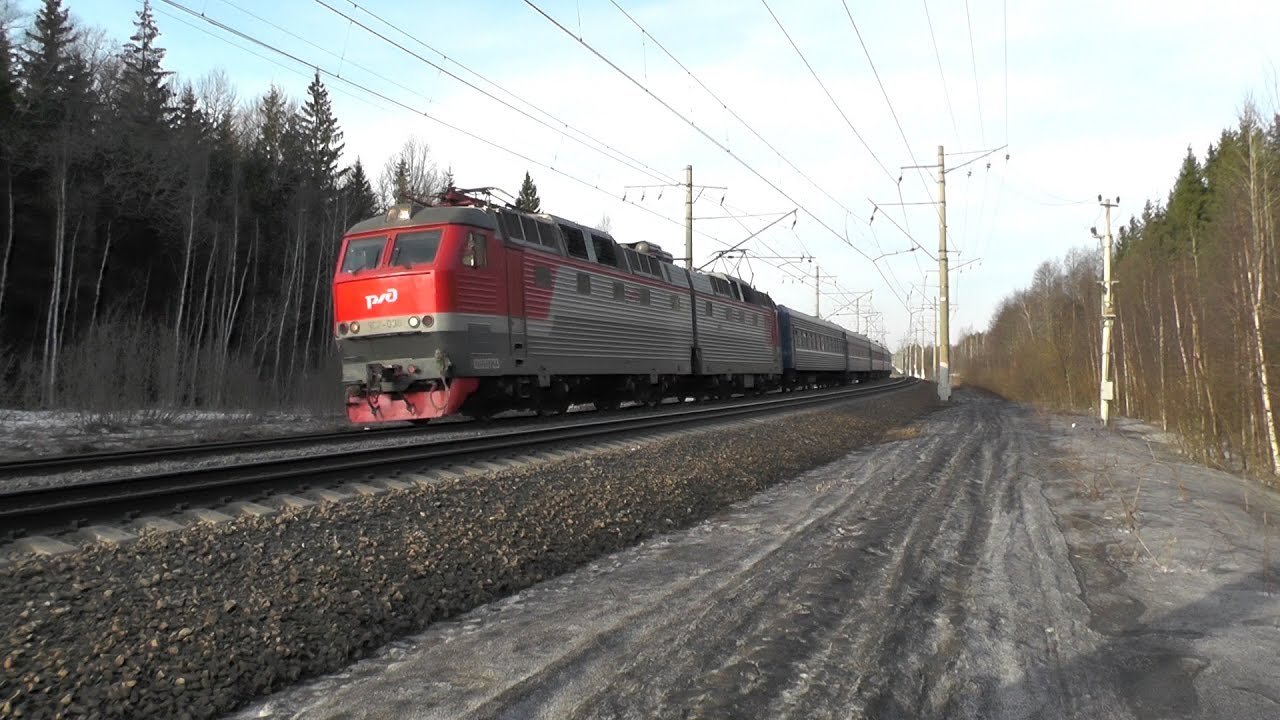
pixel 198 622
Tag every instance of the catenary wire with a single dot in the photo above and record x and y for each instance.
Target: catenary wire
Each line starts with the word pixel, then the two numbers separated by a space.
pixel 717 143
pixel 725 105
pixel 382 96
pixel 634 165
pixel 653 172
pixel 828 92
pixel 938 56
pixel 885 92
pixel 375 93
pixel 973 58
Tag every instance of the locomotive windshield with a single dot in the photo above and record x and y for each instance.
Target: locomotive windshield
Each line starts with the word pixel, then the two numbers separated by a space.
pixel 415 247
pixel 363 254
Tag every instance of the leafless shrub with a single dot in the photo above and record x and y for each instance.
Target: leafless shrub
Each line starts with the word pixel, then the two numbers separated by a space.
pixel 122 373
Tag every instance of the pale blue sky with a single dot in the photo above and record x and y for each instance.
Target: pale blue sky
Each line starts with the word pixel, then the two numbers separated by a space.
pixel 1103 97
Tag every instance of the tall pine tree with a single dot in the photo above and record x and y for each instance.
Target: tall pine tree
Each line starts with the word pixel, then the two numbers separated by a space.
pixel 360 200
pixel 401 181
pixel 528 199
pixel 144 97
pixel 322 140
pixel 48 66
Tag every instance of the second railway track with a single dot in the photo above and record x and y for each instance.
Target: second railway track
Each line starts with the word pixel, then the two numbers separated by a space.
pixel 64 507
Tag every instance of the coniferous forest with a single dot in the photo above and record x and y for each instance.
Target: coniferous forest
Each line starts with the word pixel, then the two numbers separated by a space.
pixel 1197 332
pixel 165 242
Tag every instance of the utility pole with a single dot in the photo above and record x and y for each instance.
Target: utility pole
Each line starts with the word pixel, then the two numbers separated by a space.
pixel 1107 392
pixel 688 217
pixel 817 292
pixel 944 314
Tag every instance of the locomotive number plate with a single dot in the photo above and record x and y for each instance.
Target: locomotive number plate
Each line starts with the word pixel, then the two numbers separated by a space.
pixel 486 363
pixel 387 324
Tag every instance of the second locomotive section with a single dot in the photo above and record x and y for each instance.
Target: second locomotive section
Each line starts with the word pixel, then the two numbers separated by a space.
pixel 464 307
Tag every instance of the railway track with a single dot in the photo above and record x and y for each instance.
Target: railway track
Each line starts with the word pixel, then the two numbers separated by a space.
pixel 65 507
pixel 96 462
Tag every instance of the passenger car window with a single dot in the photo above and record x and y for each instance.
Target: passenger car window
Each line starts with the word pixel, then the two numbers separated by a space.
pixel 412 248
pixel 363 254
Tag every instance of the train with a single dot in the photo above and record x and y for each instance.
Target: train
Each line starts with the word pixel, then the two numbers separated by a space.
pixel 469 307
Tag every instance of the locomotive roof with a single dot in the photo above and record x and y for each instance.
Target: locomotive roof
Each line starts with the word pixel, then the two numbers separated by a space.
pixel 419 215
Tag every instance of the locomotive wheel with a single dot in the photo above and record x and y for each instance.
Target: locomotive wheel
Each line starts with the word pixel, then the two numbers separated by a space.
pixel 608 402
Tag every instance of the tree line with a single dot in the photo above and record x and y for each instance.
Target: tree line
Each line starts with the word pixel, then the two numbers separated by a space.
pixel 1197 331
pixel 168 242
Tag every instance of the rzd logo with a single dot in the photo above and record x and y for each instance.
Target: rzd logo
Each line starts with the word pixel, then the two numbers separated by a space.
pixel 387 297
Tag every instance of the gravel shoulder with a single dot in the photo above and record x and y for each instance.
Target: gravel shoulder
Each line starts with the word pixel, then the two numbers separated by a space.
pixel 197 622
pixel 989 562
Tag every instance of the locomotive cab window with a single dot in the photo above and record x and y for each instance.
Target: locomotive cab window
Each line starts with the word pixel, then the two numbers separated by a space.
pixel 413 248
pixel 475 252
pixel 363 254
pixel 511 225
pixel 606 251
pixel 574 242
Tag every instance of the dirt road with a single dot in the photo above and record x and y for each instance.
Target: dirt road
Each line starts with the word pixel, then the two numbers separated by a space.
pixel 991 565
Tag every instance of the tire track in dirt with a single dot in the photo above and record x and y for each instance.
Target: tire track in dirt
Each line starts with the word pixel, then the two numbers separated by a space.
pixel 819 625
pixel 924 578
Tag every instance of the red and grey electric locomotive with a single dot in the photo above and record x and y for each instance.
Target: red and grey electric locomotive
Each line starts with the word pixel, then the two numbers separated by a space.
pixel 466 307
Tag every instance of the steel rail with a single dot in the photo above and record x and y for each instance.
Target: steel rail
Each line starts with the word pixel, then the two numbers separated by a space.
pixel 51 464
pixel 98 460
pixel 71 505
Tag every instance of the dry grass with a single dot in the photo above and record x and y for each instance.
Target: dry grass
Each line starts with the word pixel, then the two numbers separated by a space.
pixel 907 432
pixel 130 372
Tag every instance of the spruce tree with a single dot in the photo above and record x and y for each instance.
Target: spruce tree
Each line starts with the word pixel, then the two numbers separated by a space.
pixel 144 96
pixel 274 113
pixel 361 202
pixel 48 66
pixel 528 199
pixel 401 181
pixel 322 140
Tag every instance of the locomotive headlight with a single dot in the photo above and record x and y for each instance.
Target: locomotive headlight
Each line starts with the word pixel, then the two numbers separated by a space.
pixel 428 321
pixel 355 328
pixel 414 322
pixel 342 328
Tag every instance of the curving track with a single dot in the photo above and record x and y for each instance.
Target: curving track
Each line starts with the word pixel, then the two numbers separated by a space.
pixel 62 507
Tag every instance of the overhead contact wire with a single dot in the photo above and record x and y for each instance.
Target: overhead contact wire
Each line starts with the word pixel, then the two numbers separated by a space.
pixel 716 142
pixel 364 88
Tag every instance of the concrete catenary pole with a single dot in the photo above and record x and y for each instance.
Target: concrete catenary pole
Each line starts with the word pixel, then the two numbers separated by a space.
pixel 944 328
pixel 817 292
pixel 688 217
pixel 1107 386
